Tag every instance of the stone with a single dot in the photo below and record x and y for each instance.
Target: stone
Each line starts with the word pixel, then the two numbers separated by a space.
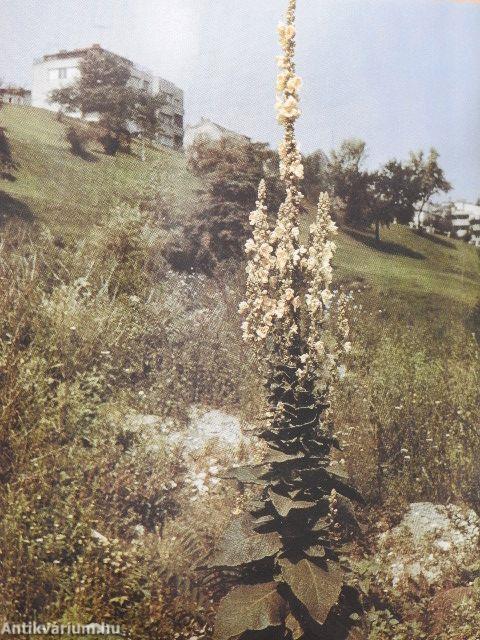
pixel 431 547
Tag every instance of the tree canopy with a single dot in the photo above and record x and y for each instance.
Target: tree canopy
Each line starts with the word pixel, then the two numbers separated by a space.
pixel 104 89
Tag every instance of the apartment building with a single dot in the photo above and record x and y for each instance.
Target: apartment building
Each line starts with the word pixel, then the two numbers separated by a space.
pixel 57 70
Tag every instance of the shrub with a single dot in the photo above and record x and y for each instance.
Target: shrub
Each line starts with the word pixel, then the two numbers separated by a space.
pixel 77 139
pixel 110 143
pixel 7 163
pixel 411 401
pixel 220 225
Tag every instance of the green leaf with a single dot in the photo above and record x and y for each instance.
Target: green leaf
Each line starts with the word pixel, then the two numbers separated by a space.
pixel 293 625
pixel 283 504
pixel 316 588
pixel 248 474
pixel 278 457
pixel 316 551
pixel 249 608
pixel 241 544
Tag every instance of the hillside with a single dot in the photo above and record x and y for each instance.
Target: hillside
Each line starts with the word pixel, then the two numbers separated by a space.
pixel 69 194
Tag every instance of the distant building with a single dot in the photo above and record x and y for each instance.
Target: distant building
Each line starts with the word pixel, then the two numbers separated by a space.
pixel 466 221
pixel 15 95
pixel 210 130
pixel 57 70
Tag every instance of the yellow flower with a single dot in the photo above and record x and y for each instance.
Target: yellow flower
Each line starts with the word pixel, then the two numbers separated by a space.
pixel 293 84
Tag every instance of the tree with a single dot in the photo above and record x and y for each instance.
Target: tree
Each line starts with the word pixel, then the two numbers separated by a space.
pixel 393 195
pixel 349 180
pixel 440 218
pixel 146 116
pixel 220 226
pixel 315 174
pixel 103 89
pixel 285 550
pixel 429 179
pixel 400 190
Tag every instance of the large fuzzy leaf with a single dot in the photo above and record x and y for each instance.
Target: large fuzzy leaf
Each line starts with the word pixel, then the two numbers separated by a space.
pixel 316 588
pixel 283 504
pixel 294 626
pixel 249 608
pixel 248 474
pixel 241 544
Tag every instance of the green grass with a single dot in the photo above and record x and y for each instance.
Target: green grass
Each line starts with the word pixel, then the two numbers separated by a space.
pixel 69 194
pixel 412 265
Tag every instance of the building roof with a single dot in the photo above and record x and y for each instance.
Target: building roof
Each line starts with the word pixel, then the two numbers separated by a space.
pixel 228 132
pixel 63 54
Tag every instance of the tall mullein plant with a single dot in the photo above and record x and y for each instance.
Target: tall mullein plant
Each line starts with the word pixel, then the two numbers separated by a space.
pixel 285 550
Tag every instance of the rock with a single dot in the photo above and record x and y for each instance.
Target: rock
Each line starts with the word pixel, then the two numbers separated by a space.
pixel 211 427
pixel 443 605
pixel 430 547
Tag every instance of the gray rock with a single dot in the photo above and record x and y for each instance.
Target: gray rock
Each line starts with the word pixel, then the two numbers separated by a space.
pixel 431 546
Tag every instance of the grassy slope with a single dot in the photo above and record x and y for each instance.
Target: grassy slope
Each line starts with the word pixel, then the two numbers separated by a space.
pixel 69 194
pixel 412 265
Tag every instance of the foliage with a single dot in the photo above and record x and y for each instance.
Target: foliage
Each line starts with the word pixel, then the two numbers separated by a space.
pixel 411 401
pixel 7 163
pixel 393 195
pixel 385 626
pixel 146 116
pixel 104 90
pixel 77 139
pixel 84 497
pixel 315 174
pixel 429 178
pixel 464 620
pixel 220 225
pixel 350 181
pixel 397 191
pixel 292 582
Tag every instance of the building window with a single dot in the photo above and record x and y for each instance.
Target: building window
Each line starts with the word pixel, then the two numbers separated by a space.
pixel 179 121
pixel 62 73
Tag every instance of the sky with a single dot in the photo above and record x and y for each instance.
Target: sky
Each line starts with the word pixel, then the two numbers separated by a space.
pixel 400 74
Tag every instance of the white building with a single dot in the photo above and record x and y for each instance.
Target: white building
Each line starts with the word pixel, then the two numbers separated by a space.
pixel 57 70
pixel 466 221
pixel 210 130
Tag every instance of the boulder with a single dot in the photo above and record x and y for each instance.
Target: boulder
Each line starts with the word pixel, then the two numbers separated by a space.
pixel 431 547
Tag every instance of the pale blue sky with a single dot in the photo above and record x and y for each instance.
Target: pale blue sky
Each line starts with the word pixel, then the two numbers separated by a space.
pixel 401 74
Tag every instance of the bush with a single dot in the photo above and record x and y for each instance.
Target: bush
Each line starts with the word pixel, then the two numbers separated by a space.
pixel 410 404
pixel 77 138
pixel 7 163
pixel 220 226
pixel 110 143
pixel 95 513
